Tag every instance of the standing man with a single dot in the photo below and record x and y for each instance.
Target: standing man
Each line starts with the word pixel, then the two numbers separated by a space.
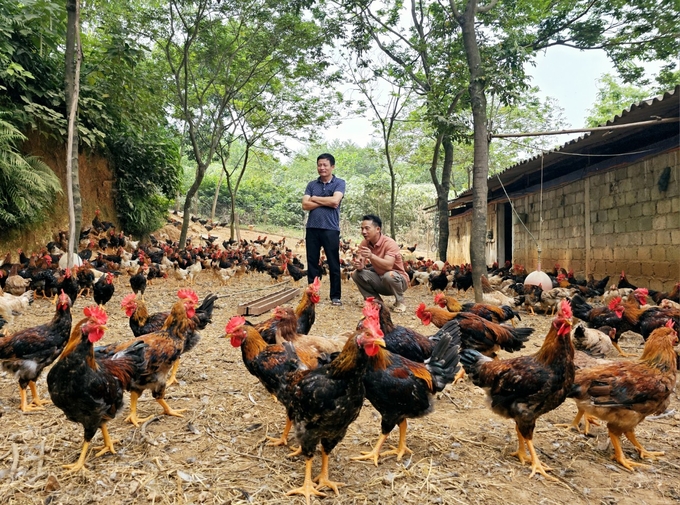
pixel 322 199
pixel 386 275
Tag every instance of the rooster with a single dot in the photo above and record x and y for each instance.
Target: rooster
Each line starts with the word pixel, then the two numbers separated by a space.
pixel 622 394
pixel 399 388
pixel 493 313
pixel 527 387
pixel 90 390
pixel 267 362
pixel 141 323
pixel 28 352
pixel 162 349
pixel 104 289
pixel 478 333
pixel 323 402
pixel 305 312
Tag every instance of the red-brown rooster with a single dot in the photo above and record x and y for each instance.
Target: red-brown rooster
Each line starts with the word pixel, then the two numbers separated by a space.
pixel 267 361
pixel 141 323
pixel 527 387
pixel 163 349
pixel 305 312
pixel 493 313
pixel 27 352
pixel 89 390
pixel 323 402
pixel 400 389
pixel 622 394
pixel 478 333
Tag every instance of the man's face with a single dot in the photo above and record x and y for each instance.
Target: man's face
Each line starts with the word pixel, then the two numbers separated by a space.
pixel 324 169
pixel 370 231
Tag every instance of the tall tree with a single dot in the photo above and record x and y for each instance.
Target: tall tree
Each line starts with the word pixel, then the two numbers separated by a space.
pixel 488 46
pixel 220 51
pixel 72 78
pixel 387 112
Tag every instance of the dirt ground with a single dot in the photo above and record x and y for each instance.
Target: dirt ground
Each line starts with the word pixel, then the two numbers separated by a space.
pixel 217 452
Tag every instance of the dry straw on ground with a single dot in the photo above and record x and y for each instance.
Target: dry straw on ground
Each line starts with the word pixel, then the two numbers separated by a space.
pixel 217 453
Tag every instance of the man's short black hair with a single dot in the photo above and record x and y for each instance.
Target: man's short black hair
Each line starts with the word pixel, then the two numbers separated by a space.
pixel 372 217
pixel 326 156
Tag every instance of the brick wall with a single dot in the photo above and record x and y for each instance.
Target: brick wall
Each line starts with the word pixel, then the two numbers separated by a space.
pixel 627 222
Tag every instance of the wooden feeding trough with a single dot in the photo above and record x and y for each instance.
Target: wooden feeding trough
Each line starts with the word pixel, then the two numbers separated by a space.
pixel 265 303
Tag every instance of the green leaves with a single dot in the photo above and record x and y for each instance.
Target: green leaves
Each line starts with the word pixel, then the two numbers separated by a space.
pixel 28 187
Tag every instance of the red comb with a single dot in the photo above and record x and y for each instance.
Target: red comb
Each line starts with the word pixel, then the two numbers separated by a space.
pixel 371 324
pixel 565 310
pixel 316 283
pixel 187 294
pixel 234 323
pixel 96 313
pixel 614 303
pixel 670 323
pixel 438 298
pixel 127 299
pixel 370 309
pixel 420 311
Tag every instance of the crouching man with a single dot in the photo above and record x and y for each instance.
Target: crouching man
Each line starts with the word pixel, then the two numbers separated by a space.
pixel 385 275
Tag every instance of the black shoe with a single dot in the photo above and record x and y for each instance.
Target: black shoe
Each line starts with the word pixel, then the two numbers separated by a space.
pixel 336 302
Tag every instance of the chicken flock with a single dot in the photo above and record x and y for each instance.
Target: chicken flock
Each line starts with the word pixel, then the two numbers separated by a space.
pixel 320 381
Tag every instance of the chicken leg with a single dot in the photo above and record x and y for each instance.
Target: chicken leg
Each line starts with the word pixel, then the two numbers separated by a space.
pixel 36 404
pixel 536 465
pixel 283 439
pixel 401 448
pixel 308 489
pixel 618 452
pixel 80 464
pixel 374 454
pixel 132 418
pixel 588 420
pixel 169 411
pixel 108 443
pixel 644 453
pixel 521 447
pixel 173 374
pixel 323 479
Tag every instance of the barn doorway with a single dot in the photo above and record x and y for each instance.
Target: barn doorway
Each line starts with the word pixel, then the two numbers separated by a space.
pixel 504 233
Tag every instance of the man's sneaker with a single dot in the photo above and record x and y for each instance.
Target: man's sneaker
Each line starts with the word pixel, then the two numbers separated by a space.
pixel 399 307
pixel 336 302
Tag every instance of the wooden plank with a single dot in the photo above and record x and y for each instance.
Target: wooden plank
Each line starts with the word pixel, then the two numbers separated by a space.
pixel 265 303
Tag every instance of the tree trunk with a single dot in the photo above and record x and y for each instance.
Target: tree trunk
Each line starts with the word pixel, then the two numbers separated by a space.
pixel 480 171
pixel 72 89
pixel 447 168
pixel 393 188
pixel 200 173
pixel 217 194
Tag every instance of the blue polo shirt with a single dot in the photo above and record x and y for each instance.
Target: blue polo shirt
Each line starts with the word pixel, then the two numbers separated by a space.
pixel 325 217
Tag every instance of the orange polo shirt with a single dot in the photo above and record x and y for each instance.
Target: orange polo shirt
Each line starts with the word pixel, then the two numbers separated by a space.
pixel 385 246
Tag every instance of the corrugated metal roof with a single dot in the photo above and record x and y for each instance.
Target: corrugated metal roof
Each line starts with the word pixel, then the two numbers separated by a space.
pixel 610 142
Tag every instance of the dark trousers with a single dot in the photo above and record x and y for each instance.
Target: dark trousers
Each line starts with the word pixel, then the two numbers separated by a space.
pixel 330 241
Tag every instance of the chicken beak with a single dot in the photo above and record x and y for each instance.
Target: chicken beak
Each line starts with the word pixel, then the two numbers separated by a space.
pixel 380 342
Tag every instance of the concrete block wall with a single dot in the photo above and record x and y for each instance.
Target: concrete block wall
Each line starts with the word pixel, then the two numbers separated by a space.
pixel 628 222
pixel 561 234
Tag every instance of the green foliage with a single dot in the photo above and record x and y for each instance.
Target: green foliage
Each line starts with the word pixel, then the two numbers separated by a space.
pixel 147 176
pixel 27 186
pixel 612 98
